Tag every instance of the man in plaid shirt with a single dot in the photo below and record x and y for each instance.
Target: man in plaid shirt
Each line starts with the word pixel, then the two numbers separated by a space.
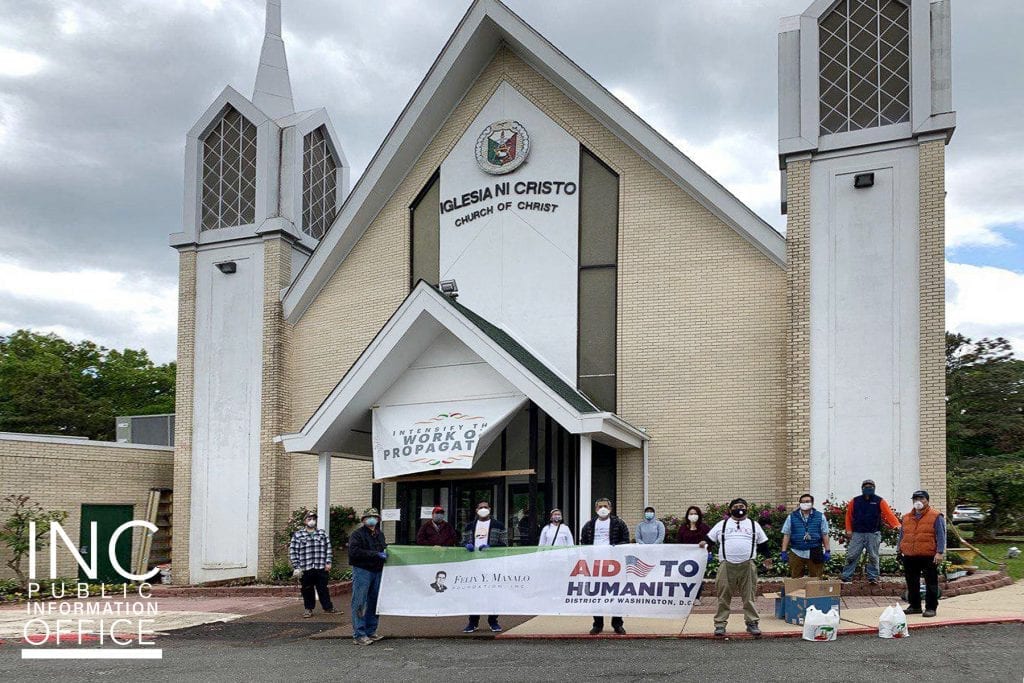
pixel 310 555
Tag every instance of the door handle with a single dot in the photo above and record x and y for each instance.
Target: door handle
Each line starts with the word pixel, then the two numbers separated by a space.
pixel 83 551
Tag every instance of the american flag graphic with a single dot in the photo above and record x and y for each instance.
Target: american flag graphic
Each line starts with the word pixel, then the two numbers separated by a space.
pixel 637 567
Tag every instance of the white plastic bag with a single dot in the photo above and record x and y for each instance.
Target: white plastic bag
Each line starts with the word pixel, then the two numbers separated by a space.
pixel 893 623
pixel 821 626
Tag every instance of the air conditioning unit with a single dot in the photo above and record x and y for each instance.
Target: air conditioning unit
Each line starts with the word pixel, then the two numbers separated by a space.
pixel 153 430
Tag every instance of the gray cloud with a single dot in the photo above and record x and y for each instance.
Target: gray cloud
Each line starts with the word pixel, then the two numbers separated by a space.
pixel 92 143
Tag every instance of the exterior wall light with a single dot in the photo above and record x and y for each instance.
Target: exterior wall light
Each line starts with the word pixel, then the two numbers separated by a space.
pixel 864 180
pixel 449 288
pixel 227 267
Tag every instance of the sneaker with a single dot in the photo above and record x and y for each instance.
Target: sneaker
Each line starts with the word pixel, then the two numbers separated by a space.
pixel 873 582
pixel 470 628
pixel 696 603
pixel 307 613
pixel 362 640
pixel 720 632
pixel 330 611
pixel 846 580
pixel 495 627
pixel 928 613
pixel 374 637
pixel 912 610
pixel 596 631
pixel 753 630
pixel 620 630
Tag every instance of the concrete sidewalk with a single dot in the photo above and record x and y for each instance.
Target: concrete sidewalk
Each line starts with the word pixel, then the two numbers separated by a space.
pixel 858 615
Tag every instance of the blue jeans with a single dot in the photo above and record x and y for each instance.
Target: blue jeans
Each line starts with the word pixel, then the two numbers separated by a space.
pixel 365 587
pixel 859 542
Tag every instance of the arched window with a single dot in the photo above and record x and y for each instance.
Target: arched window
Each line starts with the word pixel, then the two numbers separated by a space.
pixel 319 184
pixel 864 65
pixel 229 172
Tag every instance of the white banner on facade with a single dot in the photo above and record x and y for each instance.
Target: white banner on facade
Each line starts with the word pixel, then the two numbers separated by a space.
pixel 436 436
pixel 625 580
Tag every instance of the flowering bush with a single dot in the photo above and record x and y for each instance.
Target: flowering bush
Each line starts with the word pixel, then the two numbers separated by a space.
pixel 835 513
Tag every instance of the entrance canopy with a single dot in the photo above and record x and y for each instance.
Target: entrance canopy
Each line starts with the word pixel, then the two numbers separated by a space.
pixel 435 386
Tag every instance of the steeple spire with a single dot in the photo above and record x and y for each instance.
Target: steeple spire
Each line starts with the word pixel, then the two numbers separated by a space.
pixel 273 91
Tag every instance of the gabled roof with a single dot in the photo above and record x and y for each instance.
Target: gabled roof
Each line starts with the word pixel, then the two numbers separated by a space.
pixel 341 423
pixel 486 25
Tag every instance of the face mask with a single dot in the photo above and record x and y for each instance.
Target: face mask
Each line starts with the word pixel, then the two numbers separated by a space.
pixel 805 506
pixel 603 512
pixel 648 515
pixel 371 522
pixel 483 513
pixel 438 518
pixel 868 490
pixel 919 505
pixel 311 523
pixel 739 513
pixel 693 518
pixel 556 519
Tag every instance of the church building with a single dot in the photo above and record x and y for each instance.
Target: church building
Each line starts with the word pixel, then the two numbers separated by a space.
pixel 531 297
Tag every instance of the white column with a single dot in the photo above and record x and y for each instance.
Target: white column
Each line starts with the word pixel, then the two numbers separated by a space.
pixel 323 492
pixel 584 476
pixel 646 477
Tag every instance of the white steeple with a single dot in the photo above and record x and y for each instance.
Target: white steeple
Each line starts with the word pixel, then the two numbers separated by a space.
pixel 273 90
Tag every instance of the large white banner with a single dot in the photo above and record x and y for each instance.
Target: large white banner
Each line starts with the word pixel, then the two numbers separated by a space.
pixel 436 436
pixel 625 580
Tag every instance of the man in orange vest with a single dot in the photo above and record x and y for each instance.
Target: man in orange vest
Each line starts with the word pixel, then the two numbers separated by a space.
pixel 922 546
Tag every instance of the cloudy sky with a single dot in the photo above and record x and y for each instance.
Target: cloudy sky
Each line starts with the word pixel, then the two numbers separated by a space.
pixel 96 97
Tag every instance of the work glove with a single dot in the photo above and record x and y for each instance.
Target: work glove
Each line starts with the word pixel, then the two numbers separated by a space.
pixel 784 556
pixel 711 556
pixel 470 547
pixel 383 555
pixel 297 574
pixel 828 555
pixel 483 547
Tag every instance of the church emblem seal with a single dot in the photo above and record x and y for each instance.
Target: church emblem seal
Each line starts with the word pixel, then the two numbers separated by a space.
pixel 502 147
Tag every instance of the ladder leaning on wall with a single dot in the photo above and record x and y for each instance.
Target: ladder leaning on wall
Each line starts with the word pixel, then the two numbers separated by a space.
pixel 155 548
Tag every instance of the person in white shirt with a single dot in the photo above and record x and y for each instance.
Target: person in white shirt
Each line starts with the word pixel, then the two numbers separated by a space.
pixel 555 532
pixel 480 534
pixel 739 541
pixel 605 529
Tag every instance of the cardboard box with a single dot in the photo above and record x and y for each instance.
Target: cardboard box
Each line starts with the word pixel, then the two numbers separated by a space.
pixel 823 595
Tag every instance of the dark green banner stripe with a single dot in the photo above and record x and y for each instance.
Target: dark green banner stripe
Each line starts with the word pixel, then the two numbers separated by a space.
pixel 406 555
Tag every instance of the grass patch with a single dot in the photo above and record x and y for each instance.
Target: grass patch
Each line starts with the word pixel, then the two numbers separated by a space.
pixel 997 551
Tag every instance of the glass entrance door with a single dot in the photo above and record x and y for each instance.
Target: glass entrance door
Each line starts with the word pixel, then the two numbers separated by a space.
pixel 415 500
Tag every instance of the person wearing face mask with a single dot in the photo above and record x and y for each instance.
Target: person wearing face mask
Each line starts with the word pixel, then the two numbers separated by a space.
pixel 605 529
pixel 310 554
pixel 651 530
pixel 865 516
pixel 367 553
pixel 436 531
pixel 922 546
pixel 480 534
pixel 806 532
pixel 555 532
pixel 694 531
pixel 739 541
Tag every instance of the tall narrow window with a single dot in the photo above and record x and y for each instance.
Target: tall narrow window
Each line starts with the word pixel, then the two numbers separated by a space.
pixel 319 184
pixel 599 237
pixel 229 172
pixel 864 65
pixel 425 216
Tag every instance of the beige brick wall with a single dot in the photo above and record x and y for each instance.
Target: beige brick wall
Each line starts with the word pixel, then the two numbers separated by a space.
pixel 183 398
pixel 63 476
pixel 702 320
pixel 931 262
pixel 275 470
pixel 798 275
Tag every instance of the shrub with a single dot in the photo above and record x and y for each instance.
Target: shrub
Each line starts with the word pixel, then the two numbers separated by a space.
pixel 343 518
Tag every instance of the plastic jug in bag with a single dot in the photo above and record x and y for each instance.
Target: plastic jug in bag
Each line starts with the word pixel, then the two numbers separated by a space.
pixel 821 626
pixel 893 623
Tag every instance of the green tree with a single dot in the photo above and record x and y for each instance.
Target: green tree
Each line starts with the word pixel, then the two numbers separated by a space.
pixel 984 399
pixel 19 512
pixel 49 385
pixel 999 484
